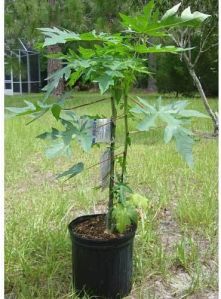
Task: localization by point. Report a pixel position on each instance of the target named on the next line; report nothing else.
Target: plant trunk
(198, 84)
(126, 141)
(112, 162)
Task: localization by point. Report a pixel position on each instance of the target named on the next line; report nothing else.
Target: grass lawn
(175, 250)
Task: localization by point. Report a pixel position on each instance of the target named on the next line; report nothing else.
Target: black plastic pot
(102, 268)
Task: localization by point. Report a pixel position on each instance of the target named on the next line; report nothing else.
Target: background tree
(203, 40)
(104, 15)
(170, 72)
(54, 64)
(172, 75)
(152, 61)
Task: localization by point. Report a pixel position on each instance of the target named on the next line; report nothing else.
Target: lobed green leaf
(72, 171)
(176, 117)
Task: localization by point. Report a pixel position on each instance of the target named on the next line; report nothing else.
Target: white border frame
(2, 152)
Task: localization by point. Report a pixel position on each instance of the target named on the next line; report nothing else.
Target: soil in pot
(95, 228)
(102, 261)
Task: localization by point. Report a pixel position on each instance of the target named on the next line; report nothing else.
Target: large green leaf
(72, 171)
(28, 109)
(104, 82)
(80, 129)
(176, 117)
(58, 149)
(56, 36)
(34, 110)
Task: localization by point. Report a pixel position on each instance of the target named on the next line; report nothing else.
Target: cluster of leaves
(110, 62)
(149, 23)
(115, 58)
(126, 212)
(76, 127)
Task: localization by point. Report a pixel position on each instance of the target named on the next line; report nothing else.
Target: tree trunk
(54, 64)
(198, 84)
(152, 82)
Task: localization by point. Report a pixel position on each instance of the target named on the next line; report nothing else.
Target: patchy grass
(175, 252)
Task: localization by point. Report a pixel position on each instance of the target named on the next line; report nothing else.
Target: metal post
(20, 81)
(39, 71)
(12, 85)
(28, 70)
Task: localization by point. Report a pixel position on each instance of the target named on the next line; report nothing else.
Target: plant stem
(112, 150)
(126, 141)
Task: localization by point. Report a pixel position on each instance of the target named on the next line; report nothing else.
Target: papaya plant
(113, 61)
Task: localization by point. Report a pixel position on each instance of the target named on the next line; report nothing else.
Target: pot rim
(81, 239)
